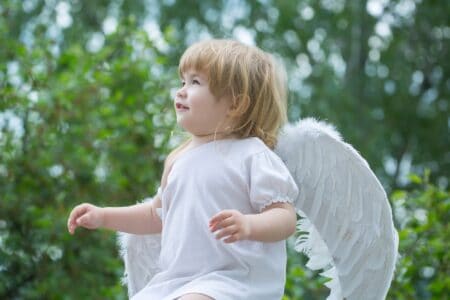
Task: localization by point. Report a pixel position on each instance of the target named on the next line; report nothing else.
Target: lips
(180, 106)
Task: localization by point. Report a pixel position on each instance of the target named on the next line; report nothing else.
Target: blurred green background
(86, 115)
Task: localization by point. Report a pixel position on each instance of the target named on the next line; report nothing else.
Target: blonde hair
(250, 78)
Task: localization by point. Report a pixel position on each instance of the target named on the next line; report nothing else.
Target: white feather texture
(346, 226)
(140, 254)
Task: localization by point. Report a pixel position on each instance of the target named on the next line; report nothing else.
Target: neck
(198, 139)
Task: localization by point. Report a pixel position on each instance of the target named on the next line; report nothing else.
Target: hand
(232, 224)
(85, 215)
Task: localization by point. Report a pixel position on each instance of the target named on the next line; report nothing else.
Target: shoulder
(253, 151)
(170, 160)
(251, 146)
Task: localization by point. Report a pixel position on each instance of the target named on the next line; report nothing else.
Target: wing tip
(317, 126)
(292, 135)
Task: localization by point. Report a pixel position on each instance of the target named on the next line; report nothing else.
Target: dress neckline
(195, 149)
(205, 145)
(209, 144)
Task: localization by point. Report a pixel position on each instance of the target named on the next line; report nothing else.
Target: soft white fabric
(240, 174)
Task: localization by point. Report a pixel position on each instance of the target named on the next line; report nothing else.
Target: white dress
(242, 174)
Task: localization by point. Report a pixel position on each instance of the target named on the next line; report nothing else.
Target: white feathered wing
(345, 212)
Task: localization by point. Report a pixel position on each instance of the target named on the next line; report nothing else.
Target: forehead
(199, 58)
(193, 73)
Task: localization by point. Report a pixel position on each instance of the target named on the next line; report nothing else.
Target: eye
(183, 83)
(195, 81)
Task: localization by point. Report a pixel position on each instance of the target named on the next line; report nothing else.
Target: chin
(184, 125)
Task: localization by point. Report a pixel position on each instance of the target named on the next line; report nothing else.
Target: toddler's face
(198, 110)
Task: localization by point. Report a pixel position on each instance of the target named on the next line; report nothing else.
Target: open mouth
(181, 106)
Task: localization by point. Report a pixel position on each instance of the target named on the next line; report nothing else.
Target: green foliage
(97, 131)
(424, 264)
(302, 283)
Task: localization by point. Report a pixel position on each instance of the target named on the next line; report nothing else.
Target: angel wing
(347, 226)
(140, 254)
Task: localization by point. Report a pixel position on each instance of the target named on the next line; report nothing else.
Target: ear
(232, 104)
(232, 110)
(239, 105)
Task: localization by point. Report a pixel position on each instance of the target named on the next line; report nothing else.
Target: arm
(275, 223)
(138, 219)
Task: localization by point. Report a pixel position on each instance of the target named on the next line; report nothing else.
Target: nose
(181, 92)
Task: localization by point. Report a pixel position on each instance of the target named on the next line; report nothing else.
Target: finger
(216, 221)
(71, 222)
(227, 232)
(223, 224)
(231, 239)
(219, 217)
(71, 228)
(77, 212)
(84, 220)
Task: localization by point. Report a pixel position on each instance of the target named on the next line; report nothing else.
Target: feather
(346, 225)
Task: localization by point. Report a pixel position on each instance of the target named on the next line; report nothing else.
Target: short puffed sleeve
(269, 180)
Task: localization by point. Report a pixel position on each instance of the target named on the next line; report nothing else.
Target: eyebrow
(192, 75)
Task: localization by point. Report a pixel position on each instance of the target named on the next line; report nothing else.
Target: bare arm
(137, 219)
(277, 222)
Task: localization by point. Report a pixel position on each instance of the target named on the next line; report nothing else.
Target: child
(225, 197)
